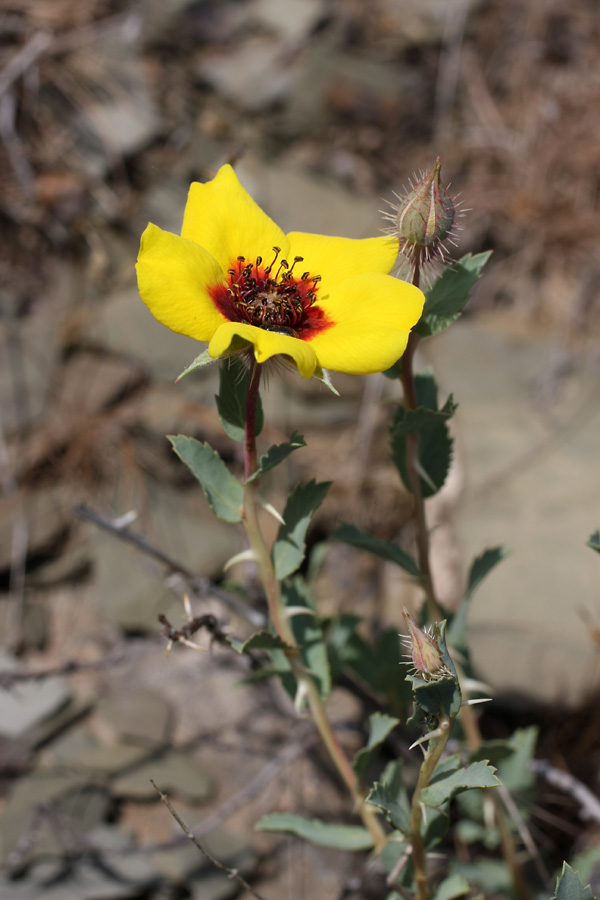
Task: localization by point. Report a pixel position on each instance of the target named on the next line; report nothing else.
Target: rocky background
(107, 111)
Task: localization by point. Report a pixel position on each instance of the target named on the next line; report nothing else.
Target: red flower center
(273, 300)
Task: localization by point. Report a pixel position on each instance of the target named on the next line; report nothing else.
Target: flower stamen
(279, 302)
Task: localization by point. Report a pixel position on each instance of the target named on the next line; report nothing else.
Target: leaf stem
(435, 749)
(277, 612)
(434, 611)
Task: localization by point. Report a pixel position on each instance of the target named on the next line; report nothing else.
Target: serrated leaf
(594, 541)
(450, 888)
(435, 442)
(380, 726)
(569, 886)
(482, 565)
(514, 770)
(422, 418)
(448, 295)
(323, 834)
(393, 803)
(223, 492)
(231, 399)
(434, 825)
(260, 640)
(276, 454)
(349, 534)
(289, 546)
(476, 775)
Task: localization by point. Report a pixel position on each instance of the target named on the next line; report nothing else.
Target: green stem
(434, 611)
(434, 751)
(277, 612)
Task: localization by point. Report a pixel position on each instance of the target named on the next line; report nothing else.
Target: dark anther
(241, 259)
(305, 276)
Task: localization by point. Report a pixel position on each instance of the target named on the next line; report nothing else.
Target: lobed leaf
(482, 565)
(445, 300)
(435, 442)
(475, 775)
(223, 492)
(323, 834)
(569, 886)
(594, 541)
(260, 640)
(380, 725)
(350, 534)
(289, 546)
(450, 888)
(276, 454)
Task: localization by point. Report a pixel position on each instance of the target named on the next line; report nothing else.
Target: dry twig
(231, 873)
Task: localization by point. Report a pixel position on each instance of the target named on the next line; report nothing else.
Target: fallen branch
(231, 873)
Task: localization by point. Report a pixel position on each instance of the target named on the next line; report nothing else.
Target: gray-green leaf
(223, 492)
(380, 726)
(569, 886)
(324, 834)
(594, 541)
(261, 640)
(289, 547)
(276, 454)
(476, 775)
(350, 534)
(446, 298)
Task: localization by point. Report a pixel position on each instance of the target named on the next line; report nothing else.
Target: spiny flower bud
(423, 218)
(424, 650)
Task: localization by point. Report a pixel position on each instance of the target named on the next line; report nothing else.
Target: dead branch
(231, 873)
(200, 586)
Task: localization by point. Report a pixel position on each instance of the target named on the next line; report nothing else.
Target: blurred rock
(119, 116)
(130, 586)
(186, 862)
(139, 716)
(266, 79)
(298, 201)
(30, 348)
(292, 20)
(82, 804)
(174, 772)
(532, 485)
(28, 703)
(79, 751)
(44, 516)
(124, 326)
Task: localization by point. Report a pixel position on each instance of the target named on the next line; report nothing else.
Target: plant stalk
(277, 612)
(435, 749)
(434, 611)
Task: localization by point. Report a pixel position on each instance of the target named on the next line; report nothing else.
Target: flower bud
(424, 651)
(424, 217)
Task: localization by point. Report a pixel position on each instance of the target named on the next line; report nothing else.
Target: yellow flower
(234, 280)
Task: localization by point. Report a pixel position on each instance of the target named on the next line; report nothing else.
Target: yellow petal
(173, 275)
(224, 219)
(338, 259)
(266, 344)
(372, 316)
